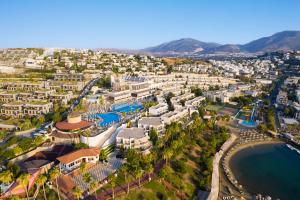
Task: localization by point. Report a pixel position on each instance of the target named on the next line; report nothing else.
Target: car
(37, 134)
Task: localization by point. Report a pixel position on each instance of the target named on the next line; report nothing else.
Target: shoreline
(235, 149)
(227, 171)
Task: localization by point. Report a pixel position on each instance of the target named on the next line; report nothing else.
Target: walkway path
(214, 193)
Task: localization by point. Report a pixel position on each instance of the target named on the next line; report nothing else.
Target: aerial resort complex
(117, 133)
(89, 112)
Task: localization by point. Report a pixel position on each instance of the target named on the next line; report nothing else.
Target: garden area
(188, 153)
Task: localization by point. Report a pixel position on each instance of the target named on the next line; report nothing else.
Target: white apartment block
(134, 138)
(175, 115)
(147, 123)
(158, 110)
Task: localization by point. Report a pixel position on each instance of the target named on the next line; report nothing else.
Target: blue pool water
(127, 108)
(108, 118)
(250, 124)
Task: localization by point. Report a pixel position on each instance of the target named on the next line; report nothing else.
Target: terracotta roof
(65, 126)
(78, 154)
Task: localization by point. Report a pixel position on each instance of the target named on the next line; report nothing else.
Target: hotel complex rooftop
(78, 154)
(133, 132)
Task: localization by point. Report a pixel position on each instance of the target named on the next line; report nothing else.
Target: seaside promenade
(214, 193)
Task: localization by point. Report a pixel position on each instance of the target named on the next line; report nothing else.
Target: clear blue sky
(141, 23)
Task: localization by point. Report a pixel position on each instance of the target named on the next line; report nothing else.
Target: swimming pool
(249, 124)
(246, 117)
(127, 108)
(108, 118)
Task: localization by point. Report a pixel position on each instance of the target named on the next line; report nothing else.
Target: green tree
(124, 170)
(83, 167)
(17, 150)
(54, 174)
(23, 180)
(6, 177)
(112, 179)
(149, 169)
(93, 187)
(14, 197)
(56, 117)
(41, 180)
(153, 136)
(138, 174)
(77, 192)
(167, 154)
(103, 156)
(87, 177)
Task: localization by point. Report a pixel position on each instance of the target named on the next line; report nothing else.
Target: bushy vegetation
(243, 100)
(271, 124)
(189, 152)
(197, 91)
(104, 82)
(15, 146)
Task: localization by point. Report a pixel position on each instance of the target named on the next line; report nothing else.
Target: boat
(293, 148)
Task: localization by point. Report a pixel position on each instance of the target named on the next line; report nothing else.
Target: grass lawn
(152, 190)
(216, 108)
(222, 109)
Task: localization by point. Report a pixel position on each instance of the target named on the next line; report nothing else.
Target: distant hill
(185, 45)
(286, 40)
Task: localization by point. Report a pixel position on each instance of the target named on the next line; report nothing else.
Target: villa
(68, 86)
(158, 110)
(151, 122)
(64, 76)
(72, 160)
(7, 97)
(61, 98)
(37, 108)
(175, 115)
(141, 94)
(135, 138)
(118, 97)
(194, 102)
(19, 109)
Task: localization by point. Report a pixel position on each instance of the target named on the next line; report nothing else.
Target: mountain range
(286, 40)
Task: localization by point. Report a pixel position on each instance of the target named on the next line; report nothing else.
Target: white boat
(293, 148)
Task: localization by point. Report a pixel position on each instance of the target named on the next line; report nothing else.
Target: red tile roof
(65, 126)
(70, 157)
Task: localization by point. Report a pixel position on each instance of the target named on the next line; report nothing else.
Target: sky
(135, 24)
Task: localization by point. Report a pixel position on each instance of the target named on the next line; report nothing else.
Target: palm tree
(54, 174)
(77, 192)
(83, 167)
(6, 177)
(149, 169)
(14, 197)
(93, 187)
(41, 180)
(124, 170)
(23, 180)
(112, 179)
(167, 154)
(87, 177)
(103, 155)
(138, 175)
